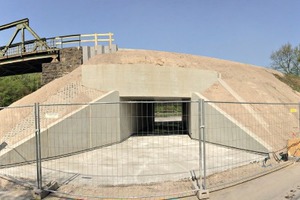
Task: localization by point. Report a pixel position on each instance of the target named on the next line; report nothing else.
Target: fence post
(203, 138)
(80, 40)
(96, 40)
(204, 141)
(200, 139)
(203, 193)
(110, 40)
(38, 145)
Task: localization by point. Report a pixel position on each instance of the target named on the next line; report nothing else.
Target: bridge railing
(55, 43)
(78, 39)
(30, 46)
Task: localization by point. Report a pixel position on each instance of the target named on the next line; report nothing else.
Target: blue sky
(239, 30)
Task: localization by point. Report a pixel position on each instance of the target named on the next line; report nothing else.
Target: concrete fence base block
(203, 194)
(42, 193)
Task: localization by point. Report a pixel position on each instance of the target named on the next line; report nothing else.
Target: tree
(13, 88)
(297, 59)
(287, 59)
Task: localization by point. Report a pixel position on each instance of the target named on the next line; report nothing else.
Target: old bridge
(30, 56)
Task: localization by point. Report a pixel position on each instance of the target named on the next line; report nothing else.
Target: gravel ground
(279, 185)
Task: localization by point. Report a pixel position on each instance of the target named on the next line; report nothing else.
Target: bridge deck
(30, 62)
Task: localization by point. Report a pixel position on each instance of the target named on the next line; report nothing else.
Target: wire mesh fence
(17, 126)
(254, 136)
(144, 149)
(120, 150)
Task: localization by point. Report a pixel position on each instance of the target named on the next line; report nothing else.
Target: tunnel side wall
(236, 136)
(91, 126)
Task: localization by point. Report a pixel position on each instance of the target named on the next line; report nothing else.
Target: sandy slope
(243, 78)
(17, 121)
(238, 82)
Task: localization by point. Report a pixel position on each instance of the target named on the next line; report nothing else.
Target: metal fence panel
(246, 139)
(144, 149)
(18, 162)
(118, 150)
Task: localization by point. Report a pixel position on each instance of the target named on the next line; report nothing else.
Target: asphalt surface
(280, 185)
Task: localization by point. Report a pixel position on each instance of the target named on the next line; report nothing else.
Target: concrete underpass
(112, 118)
(160, 116)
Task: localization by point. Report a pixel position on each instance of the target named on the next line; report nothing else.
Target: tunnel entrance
(168, 118)
(162, 118)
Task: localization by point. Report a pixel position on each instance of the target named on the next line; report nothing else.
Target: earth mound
(237, 83)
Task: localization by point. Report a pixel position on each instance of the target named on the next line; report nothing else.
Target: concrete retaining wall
(216, 120)
(88, 52)
(99, 124)
(69, 59)
(147, 80)
(104, 122)
(91, 126)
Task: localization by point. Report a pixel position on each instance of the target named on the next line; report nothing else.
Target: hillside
(237, 83)
(244, 79)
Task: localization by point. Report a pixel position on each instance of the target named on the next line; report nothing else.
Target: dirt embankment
(17, 122)
(244, 79)
(238, 82)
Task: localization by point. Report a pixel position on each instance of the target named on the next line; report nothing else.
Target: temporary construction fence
(144, 149)
(261, 129)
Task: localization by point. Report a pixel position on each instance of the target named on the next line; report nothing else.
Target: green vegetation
(167, 109)
(13, 88)
(290, 79)
(286, 59)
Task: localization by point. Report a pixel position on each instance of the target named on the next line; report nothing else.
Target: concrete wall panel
(128, 119)
(105, 121)
(147, 80)
(67, 136)
(79, 130)
(194, 125)
(216, 121)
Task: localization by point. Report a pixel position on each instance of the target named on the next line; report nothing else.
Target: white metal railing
(95, 38)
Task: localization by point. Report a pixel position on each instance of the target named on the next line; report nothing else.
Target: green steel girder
(13, 24)
(21, 25)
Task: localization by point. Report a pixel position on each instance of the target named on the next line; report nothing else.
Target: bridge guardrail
(55, 43)
(95, 38)
(18, 49)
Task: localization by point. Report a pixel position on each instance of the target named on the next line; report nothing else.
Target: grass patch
(168, 109)
(291, 80)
